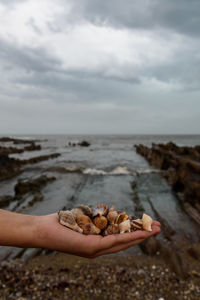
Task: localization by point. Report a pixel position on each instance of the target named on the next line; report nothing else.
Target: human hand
(52, 235)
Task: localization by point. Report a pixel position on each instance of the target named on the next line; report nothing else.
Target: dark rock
(150, 246)
(37, 159)
(181, 166)
(5, 200)
(9, 167)
(194, 252)
(16, 141)
(32, 147)
(25, 186)
(37, 197)
(10, 150)
(84, 144)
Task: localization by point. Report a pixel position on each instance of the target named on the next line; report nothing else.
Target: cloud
(179, 16)
(112, 62)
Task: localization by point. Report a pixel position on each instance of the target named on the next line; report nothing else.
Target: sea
(101, 173)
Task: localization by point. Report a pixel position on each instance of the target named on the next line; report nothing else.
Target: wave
(116, 171)
(147, 171)
(119, 170)
(94, 172)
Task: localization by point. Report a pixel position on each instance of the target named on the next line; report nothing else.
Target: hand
(52, 235)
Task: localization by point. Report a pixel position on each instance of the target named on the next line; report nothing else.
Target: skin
(27, 231)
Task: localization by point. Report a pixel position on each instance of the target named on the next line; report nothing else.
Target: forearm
(18, 230)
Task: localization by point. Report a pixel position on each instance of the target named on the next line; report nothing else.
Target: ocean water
(102, 173)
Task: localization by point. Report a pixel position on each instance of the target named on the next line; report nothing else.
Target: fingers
(128, 240)
(114, 240)
(118, 248)
(156, 223)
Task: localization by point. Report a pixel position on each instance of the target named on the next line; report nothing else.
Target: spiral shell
(67, 219)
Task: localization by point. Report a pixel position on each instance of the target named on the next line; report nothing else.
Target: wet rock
(9, 167)
(181, 166)
(25, 186)
(37, 197)
(13, 150)
(5, 200)
(10, 150)
(32, 147)
(37, 159)
(84, 144)
(17, 141)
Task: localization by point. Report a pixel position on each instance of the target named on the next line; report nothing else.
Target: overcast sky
(94, 66)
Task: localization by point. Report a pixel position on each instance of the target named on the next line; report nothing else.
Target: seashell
(112, 229)
(136, 224)
(121, 218)
(87, 225)
(112, 208)
(100, 222)
(125, 226)
(111, 216)
(100, 210)
(67, 219)
(82, 210)
(146, 222)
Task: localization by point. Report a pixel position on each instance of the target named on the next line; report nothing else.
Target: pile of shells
(102, 220)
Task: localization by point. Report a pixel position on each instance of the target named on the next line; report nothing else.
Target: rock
(194, 252)
(84, 144)
(181, 166)
(150, 246)
(5, 200)
(16, 141)
(25, 186)
(9, 167)
(32, 147)
(10, 150)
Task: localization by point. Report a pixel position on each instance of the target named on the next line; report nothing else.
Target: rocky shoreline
(168, 267)
(181, 169)
(60, 276)
(11, 167)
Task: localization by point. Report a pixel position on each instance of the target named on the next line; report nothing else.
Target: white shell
(125, 226)
(146, 222)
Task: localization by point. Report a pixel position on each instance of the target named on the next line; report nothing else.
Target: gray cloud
(181, 15)
(101, 66)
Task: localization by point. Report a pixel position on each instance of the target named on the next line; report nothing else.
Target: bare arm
(45, 232)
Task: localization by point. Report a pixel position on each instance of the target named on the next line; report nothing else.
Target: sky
(97, 67)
